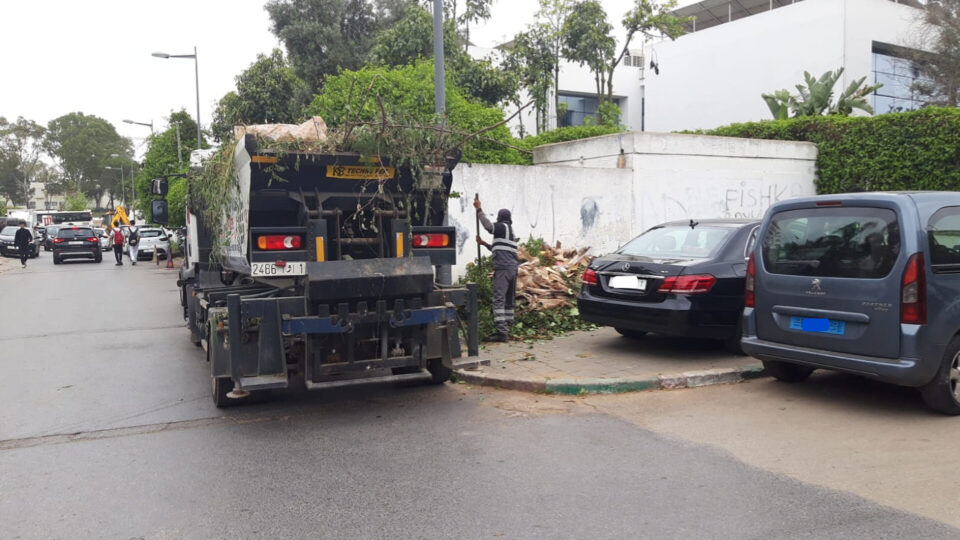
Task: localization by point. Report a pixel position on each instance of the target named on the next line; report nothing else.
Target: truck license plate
(272, 270)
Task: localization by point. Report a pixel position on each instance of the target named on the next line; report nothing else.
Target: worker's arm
(484, 244)
(484, 221)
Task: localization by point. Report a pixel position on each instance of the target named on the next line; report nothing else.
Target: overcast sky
(94, 56)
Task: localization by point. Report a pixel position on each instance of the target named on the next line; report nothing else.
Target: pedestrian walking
(504, 250)
(23, 240)
(117, 237)
(133, 242)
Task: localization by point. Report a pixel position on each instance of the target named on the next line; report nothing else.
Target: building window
(578, 109)
(899, 77)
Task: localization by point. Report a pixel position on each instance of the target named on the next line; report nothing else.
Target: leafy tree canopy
(267, 92)
(940, 63)
(82, 145)
(815, 98)
(323, 36)
(162, 158)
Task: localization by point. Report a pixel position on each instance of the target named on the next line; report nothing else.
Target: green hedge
(917, 150)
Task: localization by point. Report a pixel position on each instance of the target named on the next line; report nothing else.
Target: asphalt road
(107, 431)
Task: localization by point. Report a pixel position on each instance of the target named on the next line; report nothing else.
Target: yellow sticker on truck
(360, 172)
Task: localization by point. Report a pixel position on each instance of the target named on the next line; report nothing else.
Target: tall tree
(82, 145)
(323, 36)
(23, 141)
(532, 61)
(939, 62)
(551, 21)
(587, 38)
(411, 40)
(164, 157)
(267, 92)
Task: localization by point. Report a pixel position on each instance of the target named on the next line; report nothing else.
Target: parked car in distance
(76, 243)
(683, 278)
(49, 234)
(153, 239)
(104, 238)
(865, 283)
(7, 247)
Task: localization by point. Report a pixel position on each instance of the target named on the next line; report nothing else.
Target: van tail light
(693, 284)
(749, 300)
(431, 240)
(279, 242)
(589, 277)
(913, 292)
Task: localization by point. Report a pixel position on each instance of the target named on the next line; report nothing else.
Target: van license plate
(272, 270)
(627, 282)
(823, 326)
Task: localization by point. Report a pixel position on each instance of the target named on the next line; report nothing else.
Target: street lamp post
(196, 74)
(148, 124)
(123, 193)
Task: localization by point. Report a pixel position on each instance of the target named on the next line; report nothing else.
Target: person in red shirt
(118, 245)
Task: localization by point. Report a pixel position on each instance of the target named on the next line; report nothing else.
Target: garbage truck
(322, 269)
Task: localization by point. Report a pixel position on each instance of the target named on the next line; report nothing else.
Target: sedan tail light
(589, 277)
(58, 240)
(693, 284)
(749, 298)
(93, 239)
(913, 292)
(279, 242)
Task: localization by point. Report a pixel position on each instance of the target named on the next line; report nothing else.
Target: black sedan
(76, 243)
(682, 278)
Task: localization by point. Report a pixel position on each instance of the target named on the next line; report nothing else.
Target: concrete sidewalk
(602, 361)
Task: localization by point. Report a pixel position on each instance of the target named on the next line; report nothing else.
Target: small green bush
(916, 150)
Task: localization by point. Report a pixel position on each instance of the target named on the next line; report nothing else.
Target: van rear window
(845, 242)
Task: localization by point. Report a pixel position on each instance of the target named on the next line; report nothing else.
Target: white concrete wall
(577, 206)
(578, 195)
(715, 76)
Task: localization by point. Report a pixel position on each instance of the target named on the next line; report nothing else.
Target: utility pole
(444, 273)
(179, 147)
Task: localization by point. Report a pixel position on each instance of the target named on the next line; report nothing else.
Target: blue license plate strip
(822, 326)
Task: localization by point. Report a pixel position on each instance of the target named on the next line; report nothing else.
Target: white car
(153, 239)
(104, 238)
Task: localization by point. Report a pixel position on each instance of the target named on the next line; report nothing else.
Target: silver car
(864, 283)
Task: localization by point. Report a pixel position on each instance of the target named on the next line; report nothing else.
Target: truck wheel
(942, 394)
(439, 373)
(786, 372)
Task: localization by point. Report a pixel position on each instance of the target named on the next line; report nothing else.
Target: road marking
(100, 434)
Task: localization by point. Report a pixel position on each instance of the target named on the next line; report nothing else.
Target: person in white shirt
(133, 241)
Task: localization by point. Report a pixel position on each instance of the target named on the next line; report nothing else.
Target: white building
(736, 50)
(42, 199)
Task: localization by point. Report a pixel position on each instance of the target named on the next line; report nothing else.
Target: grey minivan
(865, 283)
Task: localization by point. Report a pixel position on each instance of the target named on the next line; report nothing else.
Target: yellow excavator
(117, 218)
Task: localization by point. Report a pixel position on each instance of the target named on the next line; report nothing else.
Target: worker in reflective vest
(504, 249)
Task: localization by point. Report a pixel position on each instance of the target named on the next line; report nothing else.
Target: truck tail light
(694, 284)
(431, 240)
(279, 242)
(589, 277)
(913, 292)
(749, 300)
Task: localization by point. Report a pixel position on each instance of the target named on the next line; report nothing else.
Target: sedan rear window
(149, 234)
(677, 242)
(832, 242)
(75, 233)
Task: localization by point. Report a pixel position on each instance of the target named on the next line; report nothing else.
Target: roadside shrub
(916, 150)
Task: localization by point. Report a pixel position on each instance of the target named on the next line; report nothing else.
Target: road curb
(614, 385)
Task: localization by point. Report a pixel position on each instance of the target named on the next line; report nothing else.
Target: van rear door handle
(822, 313)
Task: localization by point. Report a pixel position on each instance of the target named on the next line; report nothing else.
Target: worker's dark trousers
(24, 254)
(504, 293)
(118, 253)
